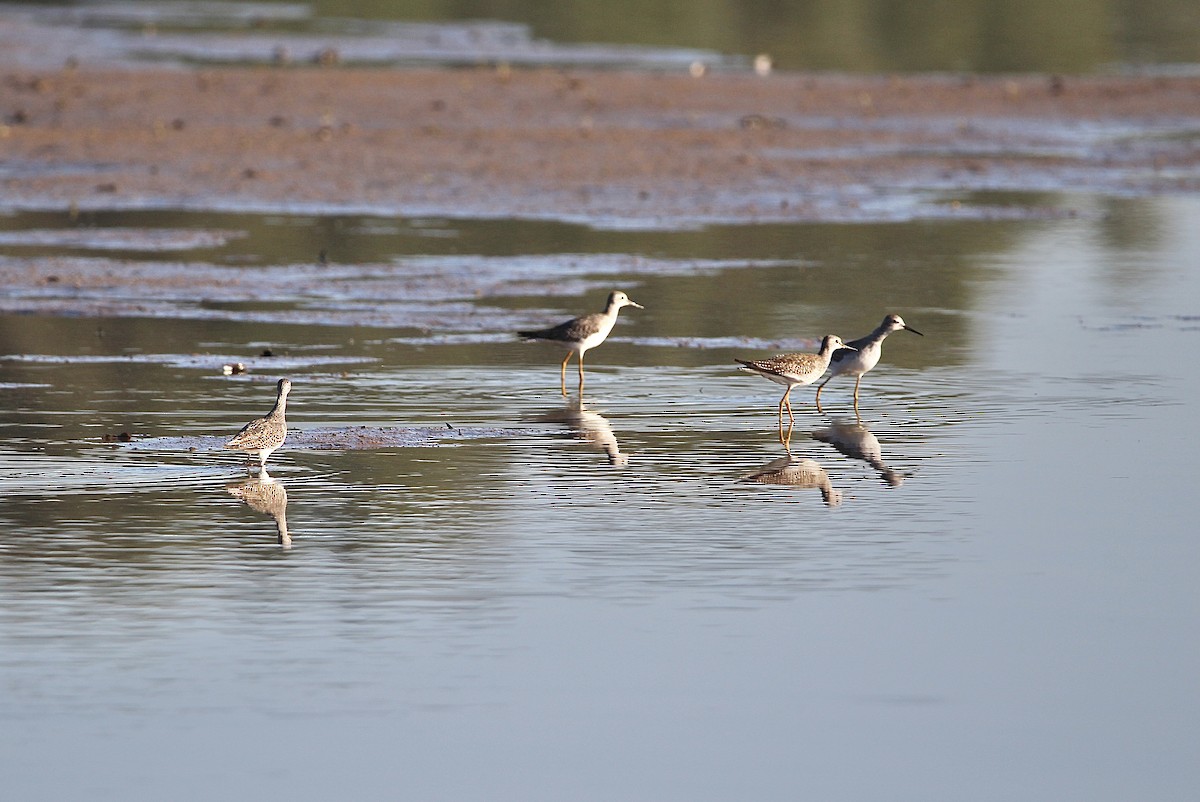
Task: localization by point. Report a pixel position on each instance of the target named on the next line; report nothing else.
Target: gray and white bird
(794, 370)
(863, 354)
(265, 435)
(581, 334)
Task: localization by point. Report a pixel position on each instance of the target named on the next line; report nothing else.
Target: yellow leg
(819, 389)
(563, 373)
(856, 381)
(787, 402)
(786, 439)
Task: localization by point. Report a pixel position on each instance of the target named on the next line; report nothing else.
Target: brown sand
(617, 147)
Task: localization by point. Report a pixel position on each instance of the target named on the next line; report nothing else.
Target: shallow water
(873, 36)
(481, 591)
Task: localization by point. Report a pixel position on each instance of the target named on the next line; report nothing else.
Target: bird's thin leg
(563, 374)
(819, 389)
(581, 374)
(856, 381)
(788, 402)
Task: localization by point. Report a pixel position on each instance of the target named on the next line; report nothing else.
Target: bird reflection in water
(856, 441)
(793, 471)
(266, 495)
(594, 429)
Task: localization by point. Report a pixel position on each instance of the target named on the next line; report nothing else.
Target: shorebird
(582, 333)
(264, 435)
(794, 370)
(863, 355)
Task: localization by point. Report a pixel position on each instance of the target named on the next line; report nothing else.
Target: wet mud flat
(444, 299)
(610, 148)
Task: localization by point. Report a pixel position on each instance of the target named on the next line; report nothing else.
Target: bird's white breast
(857, 362)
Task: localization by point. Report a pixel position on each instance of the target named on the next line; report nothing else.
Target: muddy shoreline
(607, 148)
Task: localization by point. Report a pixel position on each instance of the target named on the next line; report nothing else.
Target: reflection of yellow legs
(786, 439)
(785, 403)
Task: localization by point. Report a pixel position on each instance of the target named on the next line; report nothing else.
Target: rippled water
(460, 586)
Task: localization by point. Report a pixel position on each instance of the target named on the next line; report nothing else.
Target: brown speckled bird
(265, 435)
(794, 370)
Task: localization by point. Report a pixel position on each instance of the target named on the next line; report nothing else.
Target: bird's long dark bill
(914, 331)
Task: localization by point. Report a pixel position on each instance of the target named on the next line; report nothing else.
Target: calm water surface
(1076, 36)
(983, 590)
